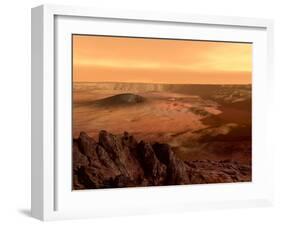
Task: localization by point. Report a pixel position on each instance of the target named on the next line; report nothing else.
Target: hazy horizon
(160, 61)
(159, 83)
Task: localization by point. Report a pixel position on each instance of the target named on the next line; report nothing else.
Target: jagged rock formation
(122, 161)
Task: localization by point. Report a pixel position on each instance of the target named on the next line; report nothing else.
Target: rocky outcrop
(121, 161)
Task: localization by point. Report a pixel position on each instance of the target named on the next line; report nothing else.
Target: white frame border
(43, 96)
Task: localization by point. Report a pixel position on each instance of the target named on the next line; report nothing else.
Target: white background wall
(15, 112)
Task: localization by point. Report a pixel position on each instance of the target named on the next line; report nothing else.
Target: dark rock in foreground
(121, 161)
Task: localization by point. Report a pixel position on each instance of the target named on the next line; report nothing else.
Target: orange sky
(116, 59)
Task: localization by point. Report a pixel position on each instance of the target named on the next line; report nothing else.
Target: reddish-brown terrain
(122, 161)
(177, 134)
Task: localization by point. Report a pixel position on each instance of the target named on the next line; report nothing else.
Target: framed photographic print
(137, 112)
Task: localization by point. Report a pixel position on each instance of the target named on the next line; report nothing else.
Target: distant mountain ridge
(153, 86)
(224, 93)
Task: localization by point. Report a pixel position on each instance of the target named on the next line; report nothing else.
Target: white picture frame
(52, 197)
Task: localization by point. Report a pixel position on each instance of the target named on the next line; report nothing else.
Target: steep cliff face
(122, 161)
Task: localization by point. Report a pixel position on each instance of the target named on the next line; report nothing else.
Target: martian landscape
(159, 112)
(198, 122)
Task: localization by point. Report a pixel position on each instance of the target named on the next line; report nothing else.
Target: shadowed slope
(121, 99)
